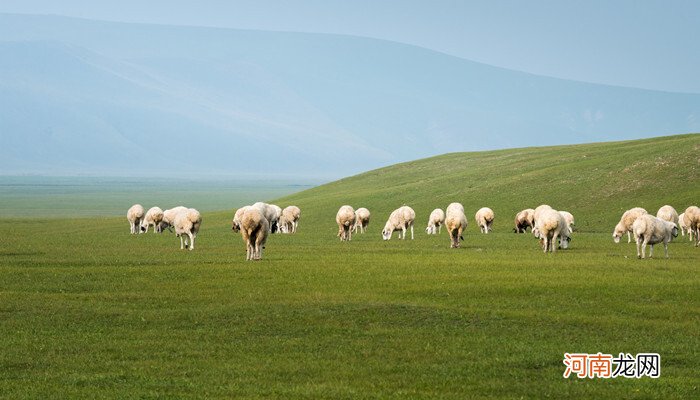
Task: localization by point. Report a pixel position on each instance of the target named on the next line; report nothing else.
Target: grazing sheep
(484, 219)
(169, 218)
(685, 227)
(361, 220)
(435, 221)
(692, 218)
(254, 229)
(135, 215)
(456, 223)
(668, 213)
(402, 218)
(274, 227)
(651, 230)
(187, 223)
(236, 223)
(289, 220)
(270, 214)
(153, 217)
(345, 218)
(549, 226)
(523, 220)
(569, 218)
(625, 224)
(538, 210)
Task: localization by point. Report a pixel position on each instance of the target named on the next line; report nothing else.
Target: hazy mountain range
(81, 96)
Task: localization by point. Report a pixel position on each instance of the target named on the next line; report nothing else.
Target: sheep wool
(135, 215)
(345, 218)
(650, 230)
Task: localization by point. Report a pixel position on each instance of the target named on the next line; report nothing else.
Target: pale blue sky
(648, 44)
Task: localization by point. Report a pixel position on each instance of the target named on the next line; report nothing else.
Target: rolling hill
(89, 310)
(596, 182)
(82, 96)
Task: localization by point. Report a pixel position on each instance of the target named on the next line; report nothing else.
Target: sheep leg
(191, 240)
(181, 243)
(411, 231)
(638, 248)
(349, 234)
(644, 248)
(666, 249)
(629, 237)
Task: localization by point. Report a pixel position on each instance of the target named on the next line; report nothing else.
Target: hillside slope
(117, 98)
(596, 182)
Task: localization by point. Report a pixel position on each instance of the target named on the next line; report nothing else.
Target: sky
(646, 44)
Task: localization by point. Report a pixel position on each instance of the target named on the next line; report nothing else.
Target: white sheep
(254, 229)
(455, 223)
(169, 218)
(187, 224)
(625, 224)
(538, 210)
(135, 215)
(400, 219)
(685, 227)
(523, 220)
(345, 218)
(274, 228)
(569, 218)
(668, 213)
(269, 212)
(692, 218)
(236, 223)
(650, 230)
(484, 219)
(549, 226)
(153, 217)
(289, 220)
(435, 222)
(362, 216)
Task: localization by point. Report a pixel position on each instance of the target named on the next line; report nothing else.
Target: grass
(88, 311)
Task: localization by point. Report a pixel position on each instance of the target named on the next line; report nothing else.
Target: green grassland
(89, 311)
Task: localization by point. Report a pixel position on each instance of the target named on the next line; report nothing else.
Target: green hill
(89, 311)
(596, 182)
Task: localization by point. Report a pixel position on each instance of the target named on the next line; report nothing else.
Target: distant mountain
(81, 96)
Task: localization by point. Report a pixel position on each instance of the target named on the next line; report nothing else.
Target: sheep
(625, 224)
(361, 220)
(254, 229)
(683, 224)
(692, 218)
(436, 220)
(402, 218)
(274, 227)
(236, 223)
(651, 230)
(569, 218)
(169, 218)
(538, 210)
(187, 222)
(270, 214)
(668, 213)
(456, 223)
(549, 226)
(289, 219)
(484, 219)
(135, 215)
(153, 217)
(345, 218)
(523, 220)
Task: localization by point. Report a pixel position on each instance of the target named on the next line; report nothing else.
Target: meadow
(89, 311)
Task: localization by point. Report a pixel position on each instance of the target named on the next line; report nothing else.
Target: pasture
(89, 311)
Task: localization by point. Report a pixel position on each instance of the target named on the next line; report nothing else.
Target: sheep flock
(552, 228)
